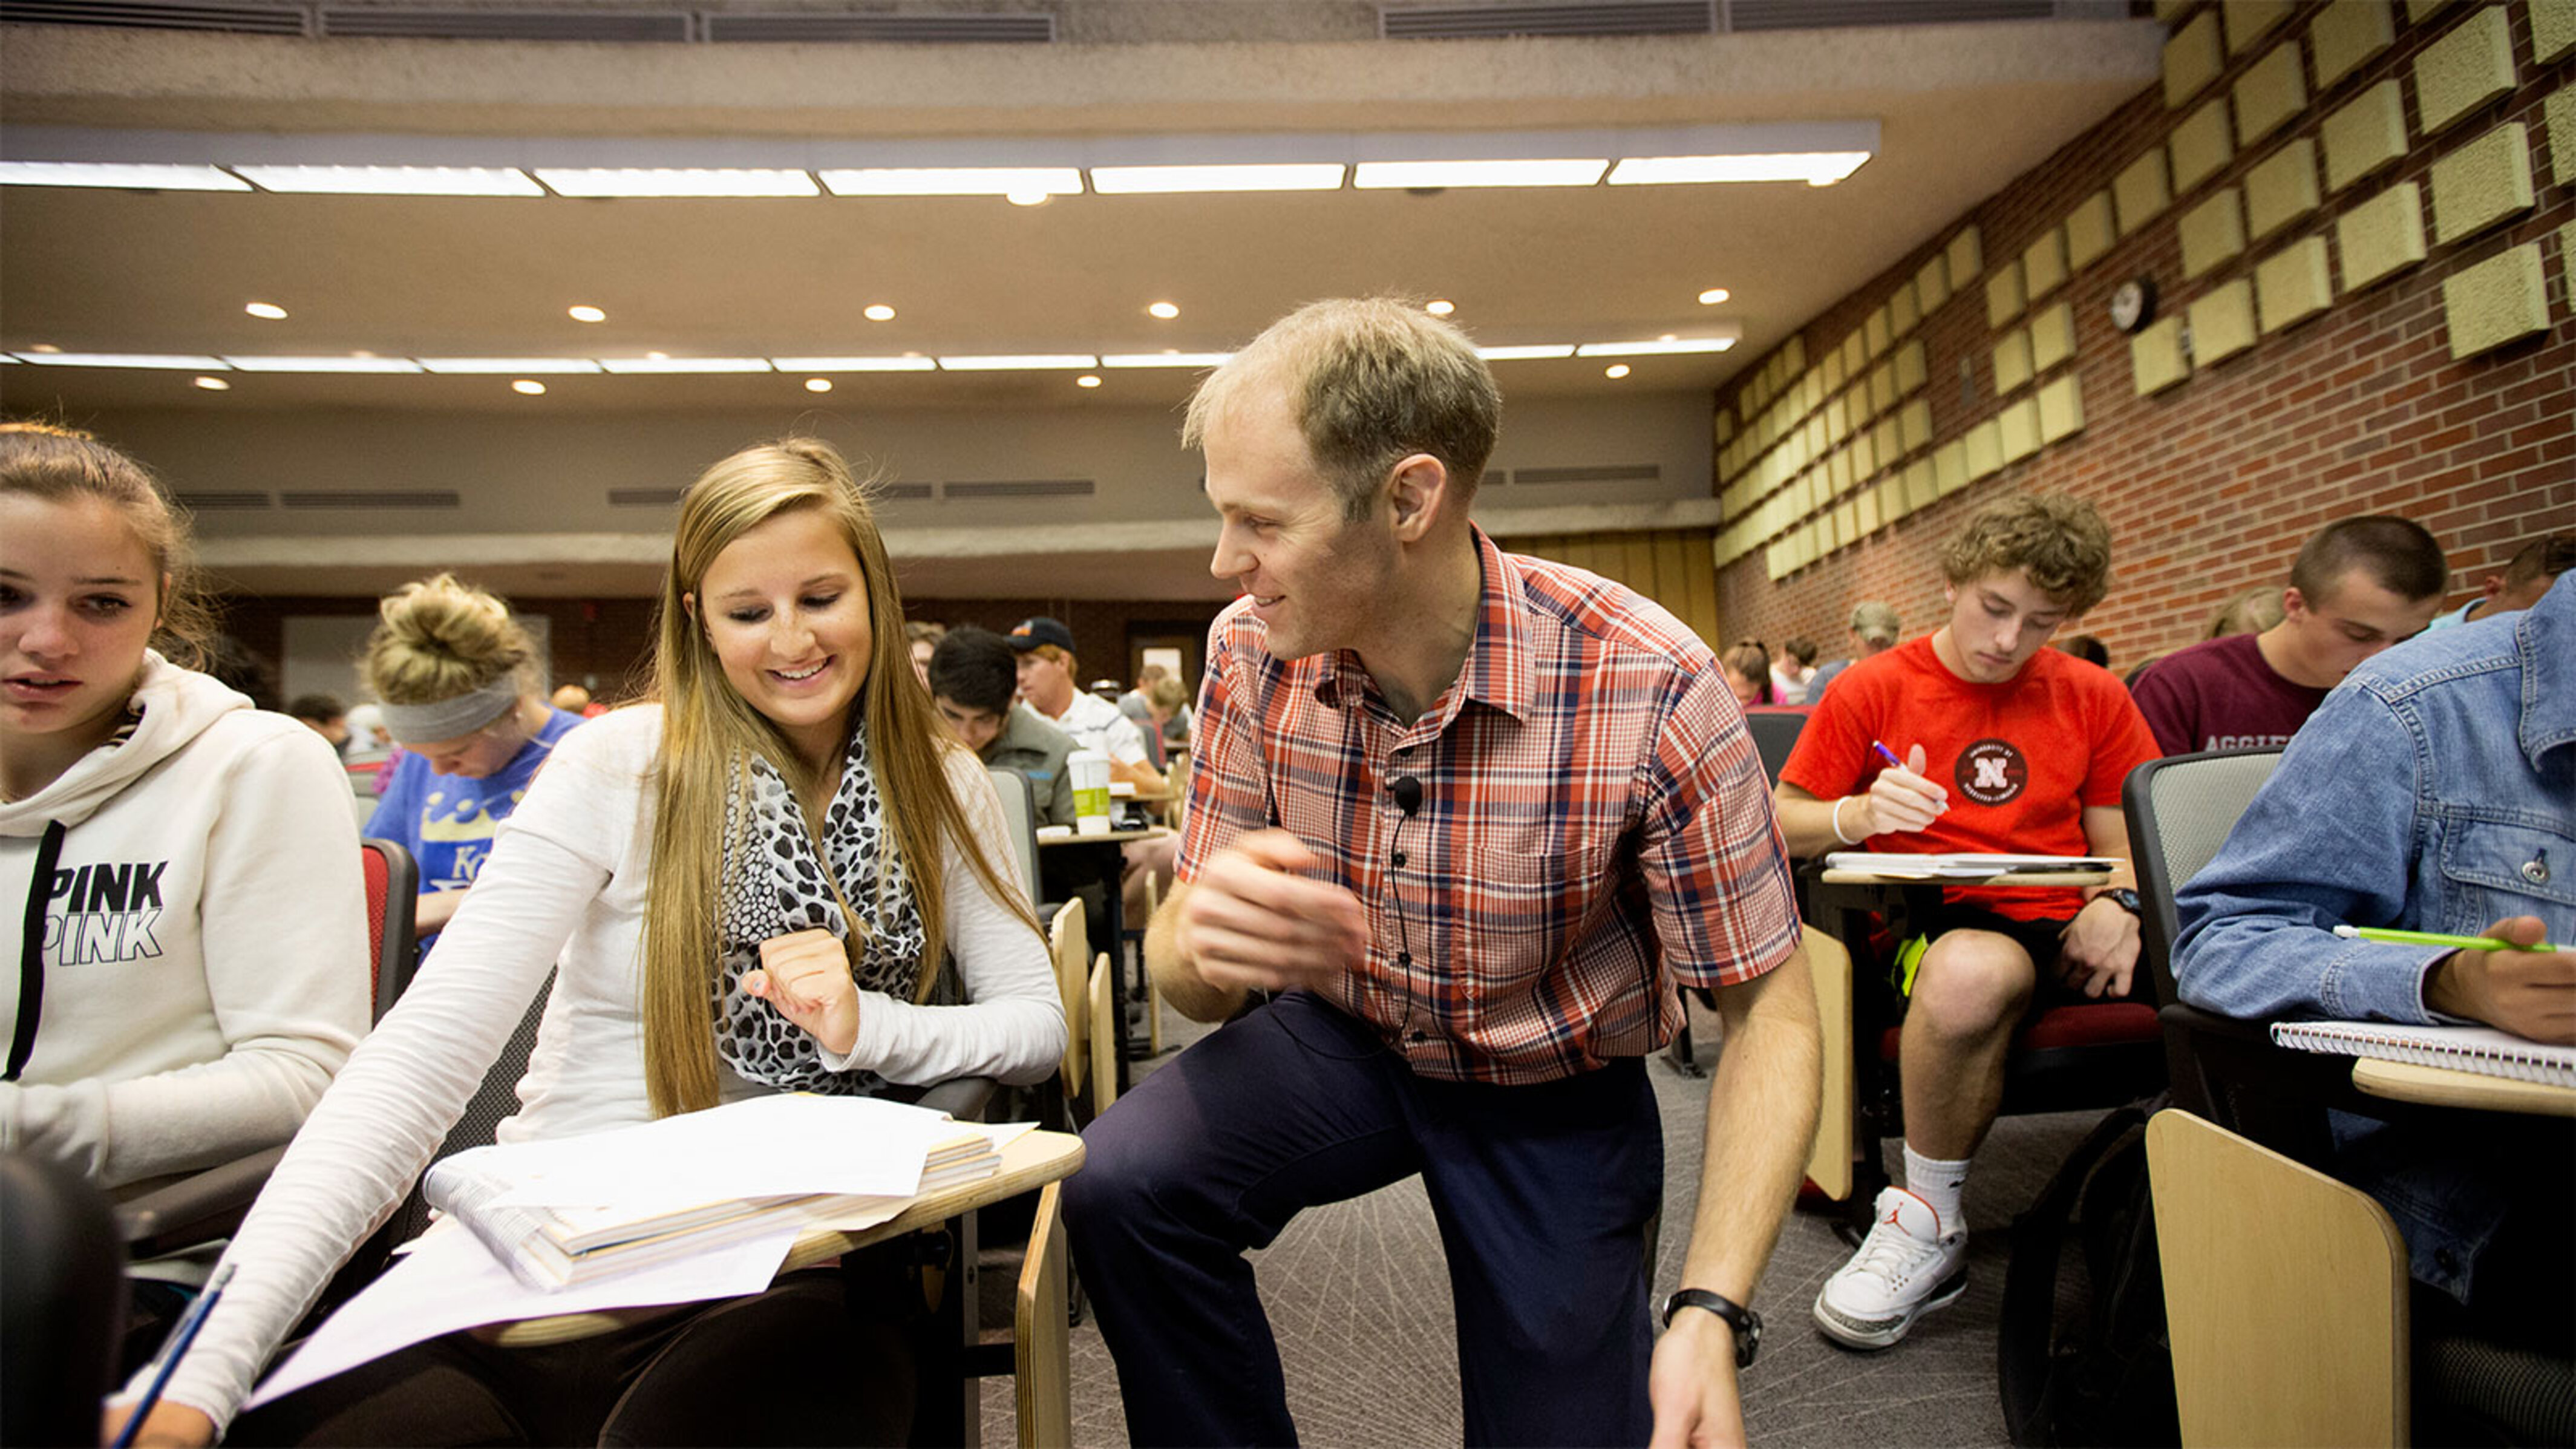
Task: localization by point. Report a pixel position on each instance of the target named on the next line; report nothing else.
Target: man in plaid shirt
(1470, 818)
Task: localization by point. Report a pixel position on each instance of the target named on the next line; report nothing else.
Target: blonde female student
(747, 881)
(178, 871)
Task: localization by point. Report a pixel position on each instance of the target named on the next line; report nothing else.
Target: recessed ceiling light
(393, 180)
(877, 312)
(1165, 310)
(1028, 198)
(1441, 307)
(269, 310)
(44, 347)
(214, 384)
(1420, 175)
(1713, 296)
(139, 177)
(584, 312)
(1822, 168)
(1256, 176)
(528, 387)
(1616, 369)
(818, 384)
(1088, 379)
(1014, 182)
(657, 356)
(677, 181)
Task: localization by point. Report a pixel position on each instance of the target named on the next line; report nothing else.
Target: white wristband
(1838, 821)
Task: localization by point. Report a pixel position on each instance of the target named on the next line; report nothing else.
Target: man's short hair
(2543, 558)
(916, 630)
(1373, 381)
(1876, 622)
(974, 669)
(322, 708)
(2401, 556)
(2059, 541)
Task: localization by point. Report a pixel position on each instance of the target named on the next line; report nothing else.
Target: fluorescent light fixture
(954, 181)
(1020, 362)
(1524, 354)
(1816, 168)
(676, 181)
(323, 364)
(853, 364)
(1255, 176)
(1165, 359)
(482, 365)
(1411, 175)
(128, 175)
(392, 180)
(1660, 347)
(684, 364)
(193, 362)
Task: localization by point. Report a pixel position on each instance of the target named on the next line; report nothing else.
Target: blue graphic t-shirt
(447, 821)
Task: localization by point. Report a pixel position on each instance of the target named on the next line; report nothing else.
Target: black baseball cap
(1030, 633)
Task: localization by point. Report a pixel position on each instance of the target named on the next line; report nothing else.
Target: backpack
(2088, 1362)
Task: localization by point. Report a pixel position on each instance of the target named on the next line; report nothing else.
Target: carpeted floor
(1358, 1298)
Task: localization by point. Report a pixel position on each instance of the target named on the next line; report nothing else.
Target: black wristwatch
(1746, 1323)
(2123, 897)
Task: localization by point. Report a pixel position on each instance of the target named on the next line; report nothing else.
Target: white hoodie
(204, 951)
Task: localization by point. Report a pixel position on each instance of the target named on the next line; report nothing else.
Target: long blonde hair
(710, 734)
(441, 637)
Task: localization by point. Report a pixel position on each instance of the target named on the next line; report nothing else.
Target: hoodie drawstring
(31, 950)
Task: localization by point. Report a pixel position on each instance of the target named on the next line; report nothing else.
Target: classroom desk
(1115, 912)
(2450, 1087)
(1032, 1161)
(1839, 903)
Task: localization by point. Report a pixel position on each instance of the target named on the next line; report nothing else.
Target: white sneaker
(1905, 1268)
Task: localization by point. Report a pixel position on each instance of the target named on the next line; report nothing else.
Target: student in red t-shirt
(2358, 586)
(2009, 746)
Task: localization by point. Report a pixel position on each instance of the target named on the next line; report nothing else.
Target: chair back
(63, 1314)
(2179, 812)
(1020, 821)
(393, 894)
(1775, 733)
(1069, 940)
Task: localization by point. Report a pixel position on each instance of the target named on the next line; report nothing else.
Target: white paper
(450, 1281)
(782, 1145)
(1902, 866)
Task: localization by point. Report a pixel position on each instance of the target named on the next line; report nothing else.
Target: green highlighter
(2436, 938)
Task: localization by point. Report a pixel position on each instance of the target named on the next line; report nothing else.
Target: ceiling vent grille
(1744, 15)
(1491, 22)
(643, 497)
(805, 26)
(170, 15)
(220, 501)
(1024, 488)
(501, 23)
(345, 498)
(905, 492)
(1591, 473)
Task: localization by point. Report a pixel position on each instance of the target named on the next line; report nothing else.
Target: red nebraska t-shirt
(2220, 694)
(2022, 759)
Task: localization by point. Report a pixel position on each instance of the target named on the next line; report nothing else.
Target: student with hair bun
(200, 968)
(746, 884)
(457, 678)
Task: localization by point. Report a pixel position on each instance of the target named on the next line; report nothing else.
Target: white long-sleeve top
(570, 877)
(204, 945)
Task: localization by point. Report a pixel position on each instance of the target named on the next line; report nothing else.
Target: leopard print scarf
(775, 883)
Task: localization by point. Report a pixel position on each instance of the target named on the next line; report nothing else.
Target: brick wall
(2211, 486)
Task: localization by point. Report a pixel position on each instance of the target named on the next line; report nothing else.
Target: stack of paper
(1960, 866)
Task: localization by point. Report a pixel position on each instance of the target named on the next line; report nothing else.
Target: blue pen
(171, 1352)
(1887, 754)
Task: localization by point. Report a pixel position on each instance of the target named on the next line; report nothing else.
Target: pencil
(177, 1349)
(2436, 938)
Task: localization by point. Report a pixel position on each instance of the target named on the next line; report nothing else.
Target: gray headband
(445, 719)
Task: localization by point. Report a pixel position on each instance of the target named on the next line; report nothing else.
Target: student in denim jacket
(2435, 791)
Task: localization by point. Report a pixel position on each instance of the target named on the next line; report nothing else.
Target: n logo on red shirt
(1992, 772)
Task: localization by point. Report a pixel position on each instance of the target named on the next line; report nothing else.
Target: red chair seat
(2090, 1025)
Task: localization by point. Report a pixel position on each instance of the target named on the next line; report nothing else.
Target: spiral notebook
(2481, 1049)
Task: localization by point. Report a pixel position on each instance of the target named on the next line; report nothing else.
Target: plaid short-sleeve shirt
(1593, 829)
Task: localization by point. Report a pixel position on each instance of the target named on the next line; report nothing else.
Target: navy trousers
(1543, 1195)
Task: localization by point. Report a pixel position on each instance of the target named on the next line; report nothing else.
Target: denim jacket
(2434, 790)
